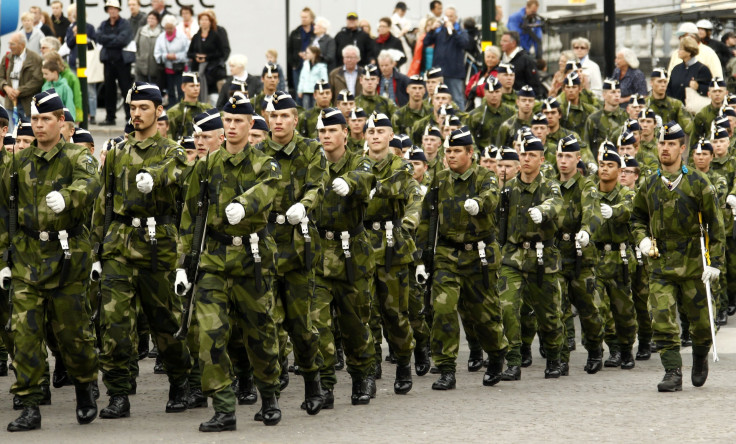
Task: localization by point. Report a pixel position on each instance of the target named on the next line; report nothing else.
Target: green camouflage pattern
(670, 109)
(507, 130)
(307, 125)
(181, 118)
(376, 103)
(702, 122)
(574, 116)
(600, 126)
(485, 121)
(404, 118)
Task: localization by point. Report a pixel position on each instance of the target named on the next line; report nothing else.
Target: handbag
(178, 66)
(95, 68)
(694, 102)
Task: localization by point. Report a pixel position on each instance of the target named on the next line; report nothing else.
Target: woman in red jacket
(491, 59)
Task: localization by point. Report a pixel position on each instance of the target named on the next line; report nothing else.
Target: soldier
(667, 108)
(323, 99)
(441, 104)
(463, 282)
(667, 225)
(703, 119)
(237, 265)
(582, 217)
(403, 119)
(270, 79)
(648, 123)
(303, 168)
(191, 149)
(370, 100)
(434, 78)
(356, 123)
(345, 102)
(531, 261)
(344, 273)
(507, 78)
(523, 117)
(552, 111)
(540, 129)
(393, 249)
(574, 111)
(47, 262)
(180, 115)
(488, 158)
(431, 144)
(259, 131)
(648, 162)
(138, 256)
(587, 96)
(602, 123)
(484, 121)
(616, 263)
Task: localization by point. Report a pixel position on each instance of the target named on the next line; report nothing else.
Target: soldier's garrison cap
(144, 91)
(461, 137)
(46, 102)
(329, 117)
(209, 120)
(81, 135)
(238, 104)
(280, 101)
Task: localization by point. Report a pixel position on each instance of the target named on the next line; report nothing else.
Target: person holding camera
(529, 26)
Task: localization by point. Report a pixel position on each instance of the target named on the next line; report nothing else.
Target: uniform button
(330, 235)
(237, 241)
(526, 245)
(136, 222)
(607, 247)
(280, 219)
(44, 236)
(566, 236)
(376, 225)
(468, 247)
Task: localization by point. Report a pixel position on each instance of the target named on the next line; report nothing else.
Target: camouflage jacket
(485, 121)
(509, 99)
(587, 97)
(72, 171)
(615, 231)
(308, 123)
(248, 177)
(726, 168)
(435, 166)
(599, 126)
(375, 103)
(543, 194)
(404, 118)
(507, 130)
(574, 116)
(356, 145)
(671, 218)
(181, 118)
(303, 171)
(702, 121)
(670, 109)
(166, 162)
(417, 131)
(581, 211)
(554, 138)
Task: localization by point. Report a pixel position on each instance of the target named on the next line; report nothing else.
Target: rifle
(109, 208)
(504, 213)
(705, 255)
(428, 253)
(12, 229)
(191, 262)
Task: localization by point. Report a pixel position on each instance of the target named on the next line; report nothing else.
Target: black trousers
(121, 73)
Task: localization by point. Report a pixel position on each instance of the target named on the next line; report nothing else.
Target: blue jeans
(173, 87)
(307, 101)
(92, 91)
(457, 89)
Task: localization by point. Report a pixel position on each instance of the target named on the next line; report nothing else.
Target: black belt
(612, 246)
(570, 237)
(280, 219)
(470, 246)
(45, 236)
(251, 240)
(378, 225)
(235, 241)
(332, 234)
(531, 245)
(337, 235)
(276, 218)
(141, 222)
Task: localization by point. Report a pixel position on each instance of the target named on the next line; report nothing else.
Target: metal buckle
(329, 235)
(151, 224)
(237, 241)
(539, 246)
(389, 233)
(136, 222)
(468, 247)
(280, 219)
(526, 245)
(44, 236)
(64, 240)
(565, 236)
(254, 247)
(376, 225)
(481, 252)
(607, 247)
(345, 242)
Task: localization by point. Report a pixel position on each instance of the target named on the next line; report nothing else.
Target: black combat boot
(196, 399)
(672, 381)
(421, 360)
(512, 373)
(731, 309)
(313, 397)
(494, 373)
(526, 355)
(700, 369)
(722, 318)
(86, 404)
(361, 392)
(143, 346)
(564, 368)
(154, 351)
(475, 360)
(644, 351)
(402, 383)
(595, 361)
(221, 422)
(379, 371)
(177, 397)
(158, 367)
(685, 340)
(329, 395)
(446, 382)
(119, 407)
(3, 368)
(284, 376)
(614, 359)
(627, 360)
(29, 419)
(339, 358)
(247, 394)
(46, 392)
(553, 369)
(60, 378)
(270, 413)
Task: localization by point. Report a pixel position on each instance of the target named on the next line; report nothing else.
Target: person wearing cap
(635, 104)
(629, 177)
(648, 123)
(415, 109)
(667, 225)
(139, 246)
(270, 79)
(393, 249)
(647, 160)
(487, 158)
(162, 124)
(52, 205)
(631, 125)
(551, 110)
(431, 145)
(574, 110)
(353, 35)
(507, 78)
(370, 100)
(433, 76)
(308, 120)
(181, 114)
(525, 106)
(114, 34)
(705, 32)
(577, 225)
(703, 119)
(507, 165)
(356, 124)
(343, 276)
(259, 131)
(690, 73)
(617, 260)
(667, 108)
(600, 124)
(540, 129)
(531, 263)
(706, 55)
(485, 120)
(303, 168)
(442, 109)
(466, 257)
(345, 102)
(191, 149)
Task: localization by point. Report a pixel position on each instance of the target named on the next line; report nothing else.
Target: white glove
(96, 272)
(472, 207)
(372, 193)
(606, 211)
(144, 182)
(296, 213)
(421, 274)
(181, 281)
(645, 245)
(340, 187)
(235, 212)
(536, 215)
(592, 168)
(731, 201)
(710, 274)
(583, 238)
(4, 275)
(55, 201)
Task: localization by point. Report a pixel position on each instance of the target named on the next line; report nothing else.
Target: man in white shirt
(581, 48)
(400, 27)
(706, 56)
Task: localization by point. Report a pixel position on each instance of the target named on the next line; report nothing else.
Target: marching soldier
(180, 115)
(442, 106)
(525, 106)
(647, 160)
(670, 212)
(370, 100)
(574, 111)
(135, 216)
(356, 124)
(507, 78)
(488, 158)
(484, 121)
(259, 131)
(648, 123)
(323, 99)
(162, 124)
(46, 259)
(601, 124)
(403, 119)
(345, 102)
(703, 119)
(552, 111)
(270, 79)
(431, 145)
(667, 108)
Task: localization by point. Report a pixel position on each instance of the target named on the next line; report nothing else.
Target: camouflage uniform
(485, 121)
(40, 288)
(518, 276)
(726, 168)
(509, 99)
(181, 117)
(403, 119)
(670, 109)
(356, 145)
(462, 284)
(507, 130)
(671, 218)
(599, 126)
(128, 259)
(574, 116)
(417, 131)
(375, 103)
(308, 123)
(227, 292)
(550, 152)
(303, 168)
(417, 319)
(702, 121)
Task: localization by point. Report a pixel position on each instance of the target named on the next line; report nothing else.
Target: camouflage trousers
(417, 320)
(729, 286)
(352, 312)
(223, 303)
(195, 374)
(581, 292)
(516, 287)
(664, 294)
(121, 285)
(640, 292)
(67, 310)
(294, 296)
(528, 324)
(617, 309)
(390, 290)
(6, 341)
(478, 306)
